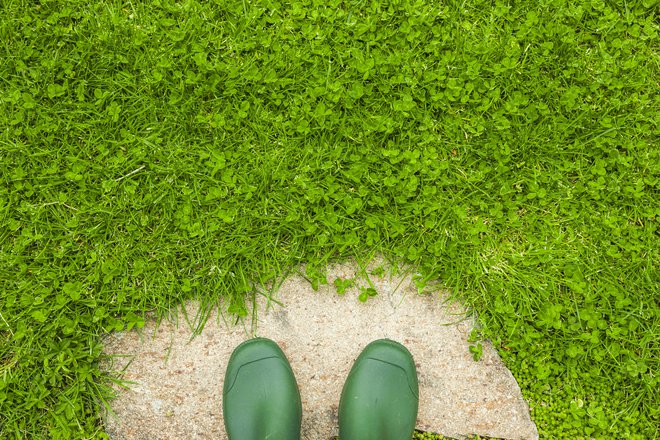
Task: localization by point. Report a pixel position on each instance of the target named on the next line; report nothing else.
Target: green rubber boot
(261, 399)
(381, 395)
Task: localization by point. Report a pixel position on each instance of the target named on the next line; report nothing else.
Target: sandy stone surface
(177, 389)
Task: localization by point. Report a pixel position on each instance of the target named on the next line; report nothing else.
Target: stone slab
(177, 390)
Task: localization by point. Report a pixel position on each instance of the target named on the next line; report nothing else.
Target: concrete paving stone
(177, 390)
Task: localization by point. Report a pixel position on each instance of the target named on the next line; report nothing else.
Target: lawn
(157, 151)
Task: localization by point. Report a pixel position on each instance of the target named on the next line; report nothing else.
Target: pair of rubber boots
(261, 399)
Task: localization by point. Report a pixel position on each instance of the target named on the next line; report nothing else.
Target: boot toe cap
(394, 353)
(251, 351)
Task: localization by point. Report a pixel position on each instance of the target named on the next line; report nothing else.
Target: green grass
(155, 153)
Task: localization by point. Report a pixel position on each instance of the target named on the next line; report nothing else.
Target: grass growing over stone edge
(154, 154)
